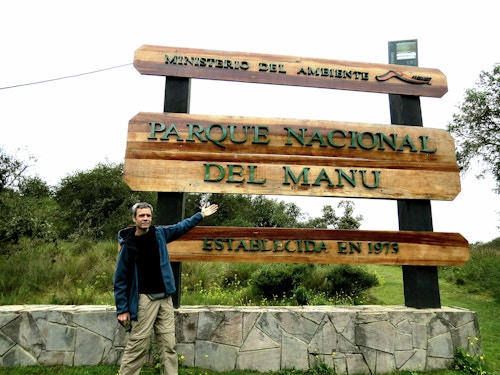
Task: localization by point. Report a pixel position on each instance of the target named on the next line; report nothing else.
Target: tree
(240, 210)
(34, 187)
(12, 170)
(476, 127)
(331, 220)
(96, 203)
(25, 202)
(243, 210)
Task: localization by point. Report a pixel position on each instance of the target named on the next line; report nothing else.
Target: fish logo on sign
(416, 80)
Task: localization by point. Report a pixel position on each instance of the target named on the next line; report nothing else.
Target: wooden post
(171, 207)
(420, 283)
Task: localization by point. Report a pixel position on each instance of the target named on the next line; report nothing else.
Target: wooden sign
(290, 70)
(174, 152)
(320, 246)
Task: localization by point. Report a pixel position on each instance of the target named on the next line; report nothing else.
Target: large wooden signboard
(323, 246)
(289, 70)
(175, 152)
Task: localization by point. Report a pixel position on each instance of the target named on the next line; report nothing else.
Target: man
(144, 284)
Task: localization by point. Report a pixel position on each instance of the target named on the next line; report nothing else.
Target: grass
(452, 295)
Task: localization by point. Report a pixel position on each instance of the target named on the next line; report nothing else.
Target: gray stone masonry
(350, 339)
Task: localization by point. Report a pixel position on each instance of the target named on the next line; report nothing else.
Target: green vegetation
(81, 273)
(475, 125)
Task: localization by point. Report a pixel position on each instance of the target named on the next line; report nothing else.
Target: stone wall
(351, 339)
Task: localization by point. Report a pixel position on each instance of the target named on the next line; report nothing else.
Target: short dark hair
(136, 206)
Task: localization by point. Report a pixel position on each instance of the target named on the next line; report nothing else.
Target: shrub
(279, 280)
(350, 280)
(481, 272)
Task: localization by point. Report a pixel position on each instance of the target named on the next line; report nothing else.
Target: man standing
(144, 284)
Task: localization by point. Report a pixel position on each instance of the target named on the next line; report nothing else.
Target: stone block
(296, 325)
(60, 337)
(90, 348)
(258, 340)
(419, 335)
(229, 330)
(18, 357)
(56, 358)
(186, 327)
(187, 353)
(269, 325)
(380, 335)
(217, 357)
(356, 364)
(268, 360)
(441, 346)
(208, 321)
(294, 354)
(404, 341)
(416, 362)
(325, 339)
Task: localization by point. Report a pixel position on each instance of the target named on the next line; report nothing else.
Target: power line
(66, 77)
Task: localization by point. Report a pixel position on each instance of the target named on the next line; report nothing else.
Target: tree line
(95, 204)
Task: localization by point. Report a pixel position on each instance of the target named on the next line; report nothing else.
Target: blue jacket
(126, 287)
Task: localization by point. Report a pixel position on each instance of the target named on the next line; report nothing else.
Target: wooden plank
(320, 246)
(290, 70)
(195, 153)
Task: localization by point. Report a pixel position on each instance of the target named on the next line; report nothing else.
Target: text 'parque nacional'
(220, 135)
(288, 156)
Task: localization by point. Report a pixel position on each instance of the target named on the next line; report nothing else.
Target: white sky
(73, 124)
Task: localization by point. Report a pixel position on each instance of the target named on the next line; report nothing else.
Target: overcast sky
(74, 123)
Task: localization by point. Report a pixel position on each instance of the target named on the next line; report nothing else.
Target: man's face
(142, 218)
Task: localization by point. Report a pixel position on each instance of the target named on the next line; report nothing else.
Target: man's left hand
(207, 210)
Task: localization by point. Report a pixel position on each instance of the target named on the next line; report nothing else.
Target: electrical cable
(65, 77)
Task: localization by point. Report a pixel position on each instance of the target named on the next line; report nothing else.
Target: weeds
(470, 360)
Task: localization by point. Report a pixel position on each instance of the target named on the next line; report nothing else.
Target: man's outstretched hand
(207, 210)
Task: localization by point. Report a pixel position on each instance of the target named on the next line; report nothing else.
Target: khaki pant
(157, 315)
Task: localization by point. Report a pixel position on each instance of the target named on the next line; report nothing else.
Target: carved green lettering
(298, 137)
(195, 130)
(207, 244)
(407, 142)
(172, 130)
(331, 137)
(240, 244)
(342, 247)
(287, 246)
(260, 132)
(302, 71)
(317, 137)
(217, 178)
(155, 127)
(423, 139)
(304, 174)
(390, 142)
(223, 134)
(235, 169)
(323, 176)
(376, 179)
(365, 135)
(232, 136)
(251, 179)
(354, 246)
(351, 179)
